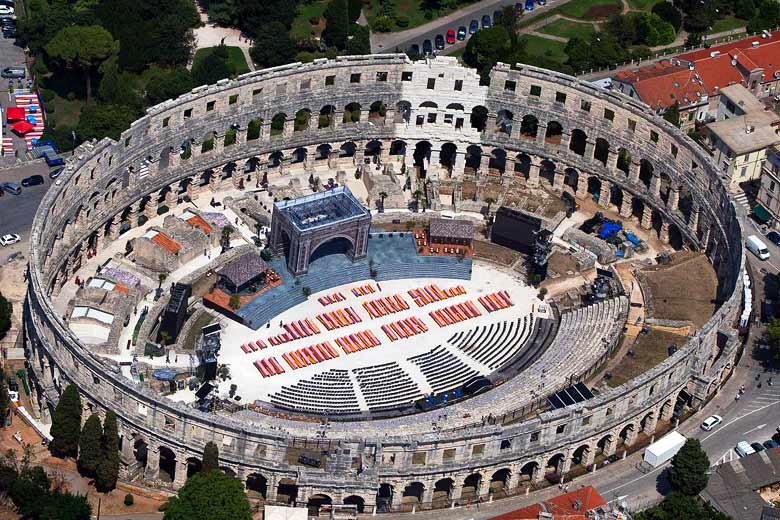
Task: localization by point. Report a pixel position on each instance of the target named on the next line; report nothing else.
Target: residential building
(769, 191)
(742, 488)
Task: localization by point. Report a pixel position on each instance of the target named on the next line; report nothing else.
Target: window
(510, 85)
(305, 85)
(406, 76)
(771, 186)
(478, 450)
(170, 424)
(95, 380)
(610, 411)
(232, 100)
(536, 90)
(210, 106)
(281, 90)
(330, 81)
(127, 142)
(142, 409)
(381, 76)
(354, 78)
(560, 429)
(534, 437)
(166, 122)
(632, 125)
(449, 454)
(431, 83)
(418, 458)
(609, 115)
(586, 420)
(188, 113)
(585, 105)
(690, 116)
(560, 97)
(506, 444)
(256, 92)
(654, 136)
(432, 117)
(743, 173)
(674, 150)
(458, 84)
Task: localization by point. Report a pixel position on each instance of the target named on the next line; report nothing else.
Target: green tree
(82, 48)
(354, 7)
(6, 309)
(688, 473)
(772, 339)
(693, 40)
(5, 400)
(677, 506)
(606, 50)
(29, 491)
(489, 201)
(486, 48)
(65, 506)
(66, 423)
(768, 16)
(672, 114)
(337, 19)
(654, 31)
(117, 87)
(162, 84)
(235, 301)
(100, 120)
(108, 467)
(272, 47)
(745, 9)
(213, 67)
(211, 495)
(579, 53)
(89, 445)
(359, 41)
(669, 13)
(210, 457)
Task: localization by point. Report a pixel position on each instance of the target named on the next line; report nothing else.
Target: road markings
(738, 418)
(759, 427)
(727, 457)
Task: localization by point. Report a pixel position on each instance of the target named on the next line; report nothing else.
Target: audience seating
(330, 298)
(495, 344)
(442, 369)
(455, 313)
(362, 340)
(432, 293)
(329, 392)
(295, 330)
(386, 386)
(405, 328)
(339, 318)
(311, 355)
(253, 346)
(363, 290)
(496, 301)
(384, 306)
(268, 367)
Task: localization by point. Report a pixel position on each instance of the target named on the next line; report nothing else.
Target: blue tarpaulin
(608, 229)
(164, 374)
(632, 238)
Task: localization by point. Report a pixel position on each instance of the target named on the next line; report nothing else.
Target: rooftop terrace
(322, 209)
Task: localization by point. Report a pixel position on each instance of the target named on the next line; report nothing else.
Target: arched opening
(685, 204)
(398, 148)
(504, 122)
(287, 491)
(626, 434)
(302, 119)
(594, 185)
(665, 187)
(275, 159)
(412, 496)
(523, 165)
(140, 451)
(624, 160)
(479, 115)
(499, 483)
(603, 445)
(373, 148)
(656, 220)
(601, 150)
(497, 160)
(277, 123)
(256, 485)
(358, 502)
(647, 422)
(298, 156)
(323, 152)
(384, 498)
(377, 111)
(528, 471)
(570, 178)
(529, 127)
(254, 128)
(347, 149)
(553, 133)
(448, 155)
(637, 208)
(579, 455)
(316, 504)
(676, 239)
(403, 112)
(616, 196)
(167, 464)
(332, 246)
(547, 171)
(645, 172)
(194, 466)
(473, 157)
(471, 487)
(578, 141)
(422, 156)
(352, 113)
(554, 464)
(455, 106)
(442, 492)
(285, 240)
(326, 116)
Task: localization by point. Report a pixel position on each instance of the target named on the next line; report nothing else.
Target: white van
(757, 247)
(744, 449)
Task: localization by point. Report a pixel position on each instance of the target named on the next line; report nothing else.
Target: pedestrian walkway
(741, 198)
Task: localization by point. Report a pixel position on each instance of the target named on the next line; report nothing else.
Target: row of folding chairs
(339, 318)
(311, 355)
(301, 328)
(455, 314)
(253, 346)
(405, 328)
(496, 301)
(268, 367)
(363, 290)
(385, 306)
(433, 293)
(330, 298)
(358, 341)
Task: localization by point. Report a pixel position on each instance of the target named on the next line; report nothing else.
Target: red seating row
(330, 298)
(295, 330)
(432, 293)
(363, 290)
(339, 318)
(496, 301)
(455, 314)
(312, 355)
(269, 367)
(385, 306)
(405, 328)
(358, 341)
(253, 346)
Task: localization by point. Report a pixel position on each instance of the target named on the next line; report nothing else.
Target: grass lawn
(727, 24)
(236, 58)
(643, 5)
(590, 9)
(539, 46)
(66, 113)
(568, 29)
(302, 27)
(411, 9)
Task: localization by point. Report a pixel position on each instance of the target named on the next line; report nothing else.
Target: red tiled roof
(527, 513)
(569, 506)
(166, 242)
(199, 222)
(725, 48)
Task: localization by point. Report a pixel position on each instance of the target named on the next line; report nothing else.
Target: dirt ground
(495, 253)
(649, 350)
(684, 289)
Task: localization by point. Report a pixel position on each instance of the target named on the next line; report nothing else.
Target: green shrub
(163, 209)
(47, 95)
(402, 21)
(129, 499)
(51, 108)
(382, 24)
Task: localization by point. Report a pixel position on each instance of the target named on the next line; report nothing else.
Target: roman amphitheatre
(302, 265)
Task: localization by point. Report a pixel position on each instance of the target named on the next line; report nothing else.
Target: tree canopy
(210, 458)
(6, 309)
(338, 22)
(98, 121)
(108, 466)
(486, 48)
(89, 445)
(688, 472)
(66, 423)
(677, 506)
(273, 47)
(211, 495)
(213, 67)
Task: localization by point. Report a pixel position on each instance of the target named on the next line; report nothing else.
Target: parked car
(769, 444)
(450, 36)
(427, 47)
(757, 446)
(711, 422)
(32, 180)
(774, 237)
(486, 23)
(473, 26)
(13, 73)
(11, 187)
(743, 449)
(5, 9)
(439, 42)
(10, 238)
(461, 33)
(56, 172)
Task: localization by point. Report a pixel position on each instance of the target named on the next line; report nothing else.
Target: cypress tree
(210, 457)
(108, 467)
(5, 400)
(66, 424)
(89, 445)
(337, 23)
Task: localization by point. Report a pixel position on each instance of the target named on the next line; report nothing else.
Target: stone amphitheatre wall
(668, 183)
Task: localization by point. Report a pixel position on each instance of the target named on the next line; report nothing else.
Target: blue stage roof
(322, 209)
